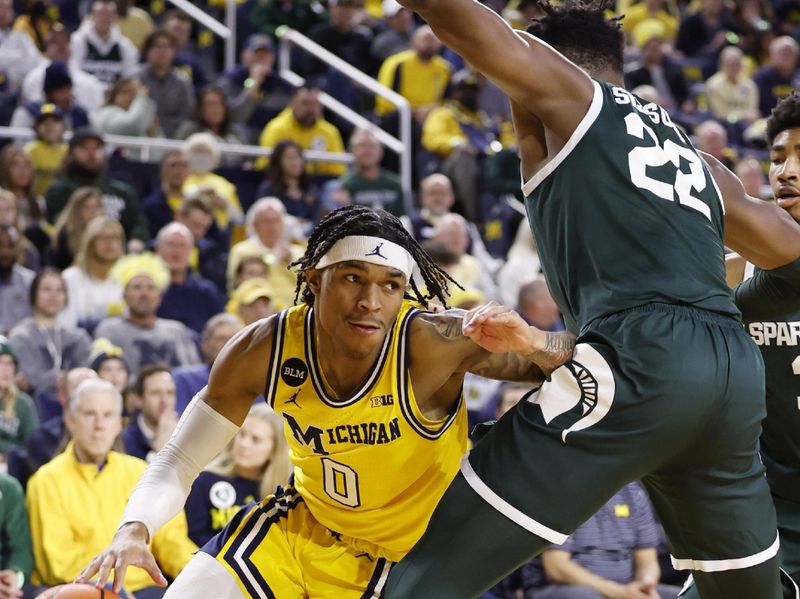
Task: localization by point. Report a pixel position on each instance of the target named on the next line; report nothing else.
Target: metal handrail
(402, 145)
(228, 33)
(160, 143)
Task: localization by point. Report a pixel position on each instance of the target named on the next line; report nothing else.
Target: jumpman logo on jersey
(365, 554)
(293, 399)
(377, 252)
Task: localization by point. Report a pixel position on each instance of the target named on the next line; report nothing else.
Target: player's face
(253, 445)
(94, 424)
(784, 170)
(158, 396)
(356, 304)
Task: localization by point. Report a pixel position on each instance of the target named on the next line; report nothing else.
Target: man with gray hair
(268, 236)
(51, 435)
(76, 500)
(192, 378)
(190, 298)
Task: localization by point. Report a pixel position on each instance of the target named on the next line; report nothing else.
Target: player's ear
(314, 280)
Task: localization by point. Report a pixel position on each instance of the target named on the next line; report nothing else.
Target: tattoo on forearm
(509, 367)
(559, 342)
(449, 324)
(557, 349)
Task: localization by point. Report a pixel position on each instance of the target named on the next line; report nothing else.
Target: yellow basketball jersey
(369, 466)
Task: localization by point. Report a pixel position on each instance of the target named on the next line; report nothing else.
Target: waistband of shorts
(660, 307)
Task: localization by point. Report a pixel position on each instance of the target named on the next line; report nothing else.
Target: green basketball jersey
(779, 342)
(627, 214)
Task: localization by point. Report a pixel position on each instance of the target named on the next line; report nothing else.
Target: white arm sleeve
(161, 493)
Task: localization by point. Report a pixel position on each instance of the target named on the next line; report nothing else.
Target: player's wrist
(134, 530)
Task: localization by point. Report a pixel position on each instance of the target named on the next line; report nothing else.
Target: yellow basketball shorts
(277, 549)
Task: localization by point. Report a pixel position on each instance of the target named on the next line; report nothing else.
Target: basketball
(78, 591)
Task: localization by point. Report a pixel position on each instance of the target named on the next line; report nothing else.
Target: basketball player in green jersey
(665, 384)
(770, 308)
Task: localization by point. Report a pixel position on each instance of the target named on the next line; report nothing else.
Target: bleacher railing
(402, 145)
(227, 32)
(149, 144)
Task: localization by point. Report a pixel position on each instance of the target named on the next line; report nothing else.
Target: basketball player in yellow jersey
(369, 386)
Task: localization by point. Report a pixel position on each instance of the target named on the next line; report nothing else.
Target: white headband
(374, 250)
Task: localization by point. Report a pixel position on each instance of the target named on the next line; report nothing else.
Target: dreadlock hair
(786, 115)
(579, 30)
(362, 220)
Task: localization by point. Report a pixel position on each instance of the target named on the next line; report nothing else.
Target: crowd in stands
(123, 270)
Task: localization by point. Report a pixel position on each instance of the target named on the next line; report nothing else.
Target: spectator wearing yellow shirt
(203, 156)
(650, 9)
(76, 501)
(420, 75)
(461, 134)
(302, 123)
(47, 152)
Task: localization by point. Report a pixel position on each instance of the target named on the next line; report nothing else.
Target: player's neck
(342, 373)
(608, 75)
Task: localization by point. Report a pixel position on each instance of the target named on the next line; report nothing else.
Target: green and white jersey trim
(720, 565)
(574, 139)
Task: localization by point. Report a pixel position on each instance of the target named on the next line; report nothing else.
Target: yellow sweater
(322, 136)
(421, 83)
(75, 509)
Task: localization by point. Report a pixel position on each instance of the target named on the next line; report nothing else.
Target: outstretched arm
(529, 71)
(205, 429)
(494, 342)
(759, 231)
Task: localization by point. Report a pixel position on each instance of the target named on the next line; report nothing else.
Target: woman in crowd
(44, 346)
(212, 115)
(106, 359)
(91, 293)
(18, 417)
(128, 111)
(84, 204)
(17, 176)
(9, 215)
(288, 181)
(256, 461)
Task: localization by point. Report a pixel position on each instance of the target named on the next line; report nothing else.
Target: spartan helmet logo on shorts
(587, 382)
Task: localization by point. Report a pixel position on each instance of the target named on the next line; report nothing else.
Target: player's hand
(498, 328)
(128, 548)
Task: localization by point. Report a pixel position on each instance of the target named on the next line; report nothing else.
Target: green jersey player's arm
(734, 269)
(529, 71)
(762, 233)
(769, 294)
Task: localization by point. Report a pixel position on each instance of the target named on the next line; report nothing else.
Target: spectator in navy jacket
(152, 426)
